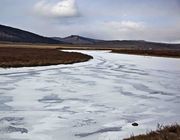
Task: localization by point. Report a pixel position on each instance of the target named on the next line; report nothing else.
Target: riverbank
(164, 52)
(159, 53)
(27, 57)
(162, 133)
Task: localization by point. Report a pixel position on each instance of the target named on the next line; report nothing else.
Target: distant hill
(137, 44)
(11, 34)
(75, 39)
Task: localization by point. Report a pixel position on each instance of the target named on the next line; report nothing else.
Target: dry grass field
(23, 55)
(26, 57)
(160, 53)
(162, 133)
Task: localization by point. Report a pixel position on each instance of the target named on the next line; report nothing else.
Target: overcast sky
(153, 20)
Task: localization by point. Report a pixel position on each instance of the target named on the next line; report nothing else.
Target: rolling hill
(135, 44)
(76, 39)
(11, 34)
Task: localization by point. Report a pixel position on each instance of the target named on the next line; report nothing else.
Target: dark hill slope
(75, 39)
(138, 44)
(11, 34)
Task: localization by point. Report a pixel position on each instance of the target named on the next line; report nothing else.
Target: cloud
(132, 30)
(163, 34)
(125, 29)
(63, 8)
(124, 25)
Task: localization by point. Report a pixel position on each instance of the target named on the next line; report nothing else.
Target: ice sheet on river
(95, 100)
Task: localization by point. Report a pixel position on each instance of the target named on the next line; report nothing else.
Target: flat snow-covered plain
(95, 100)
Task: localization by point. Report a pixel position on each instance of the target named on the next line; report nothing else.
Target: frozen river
(95, 100)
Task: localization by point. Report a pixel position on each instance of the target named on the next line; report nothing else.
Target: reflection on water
(98, 100)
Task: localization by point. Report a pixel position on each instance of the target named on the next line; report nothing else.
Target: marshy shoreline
(13, 55)
(29, 57)
(146, 52)
(171, 132)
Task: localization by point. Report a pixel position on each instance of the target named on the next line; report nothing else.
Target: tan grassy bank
(162, 133)
(27, 57)
(159, 53)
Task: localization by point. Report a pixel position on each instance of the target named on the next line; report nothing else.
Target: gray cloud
(62, 8)
(125, 30)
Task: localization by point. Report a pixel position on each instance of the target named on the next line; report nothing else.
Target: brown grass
(26, 57)
(162, 133)
(164, 52)
(160, 53)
